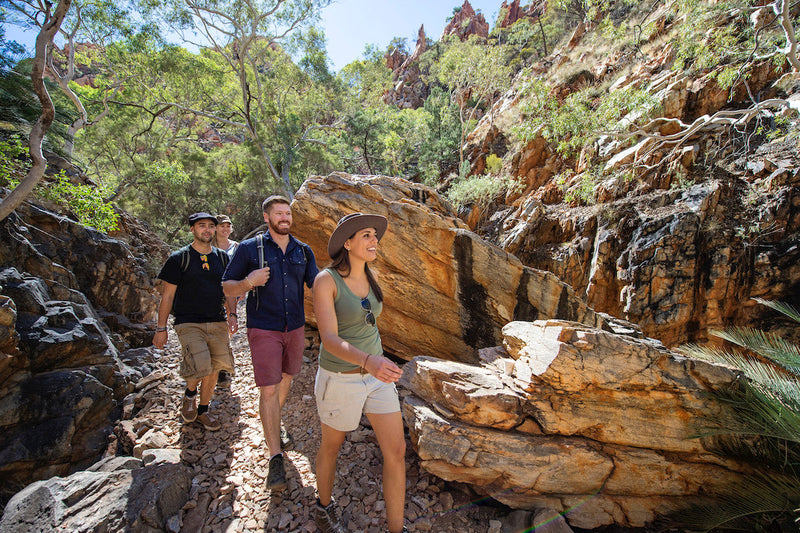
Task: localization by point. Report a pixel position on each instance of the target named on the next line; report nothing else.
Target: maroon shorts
(275, 353)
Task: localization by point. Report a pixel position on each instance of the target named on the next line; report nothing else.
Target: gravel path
(230, 465)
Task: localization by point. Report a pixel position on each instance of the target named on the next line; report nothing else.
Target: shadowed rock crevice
(524, 310)
(475, 329)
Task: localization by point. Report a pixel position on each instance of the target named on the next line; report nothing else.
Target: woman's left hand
(383, 369)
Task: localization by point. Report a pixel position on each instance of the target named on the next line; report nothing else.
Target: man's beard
(204, 239)
(280, 230)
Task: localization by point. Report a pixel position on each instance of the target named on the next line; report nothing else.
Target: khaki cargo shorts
(205, 348)
(342, 398)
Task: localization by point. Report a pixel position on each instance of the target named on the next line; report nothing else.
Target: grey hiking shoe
(287, 441)
(224, 380)
(276, 477)
(189, 408)
(328, 519)
(208, 421)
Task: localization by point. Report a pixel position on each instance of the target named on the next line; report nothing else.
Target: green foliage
(584, 192)
(10, 51)
(12, 161)
(475, 74)
(721, 33)
(765, 426)
(582, 116)
(479, 189)
(85, 201)
(494, 164)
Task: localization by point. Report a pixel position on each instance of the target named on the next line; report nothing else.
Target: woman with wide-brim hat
(353, 376)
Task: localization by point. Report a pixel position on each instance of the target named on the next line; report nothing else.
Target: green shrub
(494, 164)
(480, 189)
(11, 164)
(85, 201)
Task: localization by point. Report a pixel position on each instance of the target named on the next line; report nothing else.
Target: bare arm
(324, 293)
(164, 308)
(230, 314)
(234, 288)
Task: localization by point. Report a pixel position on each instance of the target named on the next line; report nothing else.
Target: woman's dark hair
(341, 262)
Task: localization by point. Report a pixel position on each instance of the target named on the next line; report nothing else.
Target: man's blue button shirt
(278, 305)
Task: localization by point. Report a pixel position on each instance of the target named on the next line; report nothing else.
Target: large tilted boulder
(447, 291)
(116, 494)
(597, 425)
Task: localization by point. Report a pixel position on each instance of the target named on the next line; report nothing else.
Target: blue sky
(352, 24)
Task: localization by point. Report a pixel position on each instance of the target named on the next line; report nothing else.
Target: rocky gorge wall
(595, 425)
(680, 249)
(74, 304)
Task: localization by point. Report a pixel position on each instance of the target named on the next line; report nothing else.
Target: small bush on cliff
(85, 201)
(12, 161)
(581, 117)
(766, 428)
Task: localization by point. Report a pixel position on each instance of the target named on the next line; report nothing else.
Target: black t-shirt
(199, 296)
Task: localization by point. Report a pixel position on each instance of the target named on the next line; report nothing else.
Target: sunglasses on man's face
(367, 306)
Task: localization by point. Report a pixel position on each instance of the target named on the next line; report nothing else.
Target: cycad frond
(765, 344)
(782, 308)
(764, 429)
(758, 370)
(757, 495)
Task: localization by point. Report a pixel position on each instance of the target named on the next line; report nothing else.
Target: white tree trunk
(43, 40)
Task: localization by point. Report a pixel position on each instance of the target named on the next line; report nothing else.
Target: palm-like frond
(762, 371)
(759, 494)
(765, 344)
(765, 428)
(782, 308)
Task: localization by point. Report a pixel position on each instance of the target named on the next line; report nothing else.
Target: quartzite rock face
(447, 291)
(62, 377)
(117, 494)
(594, 424)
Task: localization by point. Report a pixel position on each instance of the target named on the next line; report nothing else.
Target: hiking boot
(286, 439)
(224, 380)
(328, 519)
(209, 422)
(276, 478)
(189, 408)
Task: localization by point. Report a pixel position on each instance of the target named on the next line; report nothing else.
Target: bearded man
(204, 318)
(272, 268)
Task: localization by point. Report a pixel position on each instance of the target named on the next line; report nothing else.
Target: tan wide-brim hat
(348, 225)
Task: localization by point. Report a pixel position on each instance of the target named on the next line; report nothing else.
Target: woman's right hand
(383, 369)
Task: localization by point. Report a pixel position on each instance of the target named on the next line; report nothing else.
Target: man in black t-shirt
(191, 289)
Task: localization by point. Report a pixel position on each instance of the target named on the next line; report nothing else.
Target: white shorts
(342, 398)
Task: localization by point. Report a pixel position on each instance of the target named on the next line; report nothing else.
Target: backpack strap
(260, 245)
(185, 258)
(223, 256)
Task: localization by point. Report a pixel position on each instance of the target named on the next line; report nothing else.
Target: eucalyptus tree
(89, 27)
(475, 75)
(51, 21)
(263, 89)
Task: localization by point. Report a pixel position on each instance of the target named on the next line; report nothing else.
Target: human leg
(391, 439)
(326, 513)
(195, 364)
(327, 455)
(269, 411)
